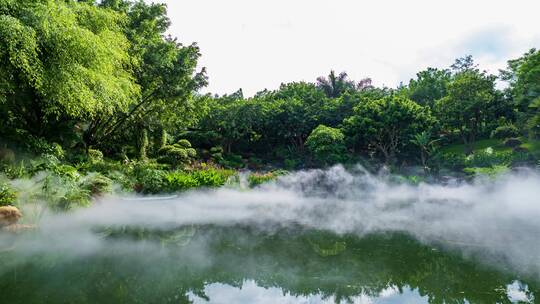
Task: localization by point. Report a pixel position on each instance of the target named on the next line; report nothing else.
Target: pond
(239, 264)
(323, 237)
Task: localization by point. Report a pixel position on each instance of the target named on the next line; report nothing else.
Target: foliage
(427, 146)
(387, 125)
(234, 161)
(87, 87)
(178, 154)
(491, 172)
(327, 145)
(61, 60)
(97, 184)
(505, 131)
(334, 86)
(468, 105)
(429, 86)
(95, 155)
(257, 179)
(8, 196)
(180, 181)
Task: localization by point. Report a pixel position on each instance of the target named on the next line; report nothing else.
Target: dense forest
(98, 90)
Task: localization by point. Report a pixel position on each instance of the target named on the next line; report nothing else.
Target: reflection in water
(243, 264)
(251, 293)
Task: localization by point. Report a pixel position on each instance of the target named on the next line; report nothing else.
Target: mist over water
(373, 229)
(498, 221)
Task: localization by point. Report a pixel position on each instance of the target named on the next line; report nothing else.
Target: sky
(258, 44)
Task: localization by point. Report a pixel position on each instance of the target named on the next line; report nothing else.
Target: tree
(468, 105)
(427, 147)
(61, 61)
(387, 125)
(523, 74)
(430, 85)
(334, 86)
(327, 145)
(164, 69)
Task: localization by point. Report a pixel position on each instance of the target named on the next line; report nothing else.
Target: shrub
(216, 153)
(232, 161)
(181, 180)
(8, 196)
(488, 158)
(505, 131)
(212, 177)
(491, 172)
(95, 155)
(291, 164)
(39, 146)
(454, 161)
(257, 179)
(151, 181)
(512, 142)
(7, 155)
(327, 145)
(184, 143)
(97, 184)
(14, 170)
(178, 154)
(63, 192)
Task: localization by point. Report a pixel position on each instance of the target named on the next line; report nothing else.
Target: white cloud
(256, 44)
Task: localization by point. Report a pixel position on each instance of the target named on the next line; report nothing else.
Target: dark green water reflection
(247, 265)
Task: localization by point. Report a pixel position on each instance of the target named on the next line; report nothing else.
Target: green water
(242, 264)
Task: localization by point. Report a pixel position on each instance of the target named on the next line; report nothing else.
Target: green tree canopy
(327, 145)
(387, 125)
(61, 60)
(429, 86)
(468, 105)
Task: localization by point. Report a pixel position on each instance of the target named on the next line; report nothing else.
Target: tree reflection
(300, 262)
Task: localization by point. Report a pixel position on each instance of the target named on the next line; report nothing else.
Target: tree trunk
(143, 145)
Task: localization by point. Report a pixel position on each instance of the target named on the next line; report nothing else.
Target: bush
(216, 153)
(454, 161)
(63, 192)
(291, 164)
(212, 177)
(8, 196)
(491, 172)
(151, 181)
(95, 155)
(14, 170)
(7, 155)
(97, 184)
(512, 142)
(257, 179)
(178, 154)
(327, 145)
(505, 131)
(232, 161)
(488, 158)
(181, 180)
(39, 146)
(184, 143)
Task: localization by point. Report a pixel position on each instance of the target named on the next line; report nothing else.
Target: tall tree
(164, 69)
(523, 74)
(469, 103)
(60, 61)
(387, 125)
(334, 86)
(430, 85)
